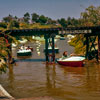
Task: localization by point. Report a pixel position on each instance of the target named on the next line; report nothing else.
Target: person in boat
(29, 48)
(22, 47)
(65, 55)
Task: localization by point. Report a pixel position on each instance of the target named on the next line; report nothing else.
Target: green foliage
(3, 25)
(3, 54)
(4, 49)
(91, 16)
(72, 22)
(13, 24)
(24, 25)
(62, 21)
(38, 25)
(10, 25)
(78, 43)
(8, 18)
(42, 19)
(16, 24)
(26, 17)
(35, 17)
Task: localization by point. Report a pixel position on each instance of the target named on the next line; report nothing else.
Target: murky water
(34, 79)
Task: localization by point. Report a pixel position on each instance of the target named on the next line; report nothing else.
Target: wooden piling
(53, 49)
(98, 47)
(87, 47)
(46, 48)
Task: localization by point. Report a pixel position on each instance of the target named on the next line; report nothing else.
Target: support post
(87, 47)
(46, 48)
(53, 49)
(98, 47)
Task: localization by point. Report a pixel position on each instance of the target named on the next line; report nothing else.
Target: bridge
(91, 34)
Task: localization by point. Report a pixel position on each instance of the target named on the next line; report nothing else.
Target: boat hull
(62, 38)
(50, 50)
(71, 63)
(24, 54)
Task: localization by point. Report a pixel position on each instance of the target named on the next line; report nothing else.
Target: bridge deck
(68, 30)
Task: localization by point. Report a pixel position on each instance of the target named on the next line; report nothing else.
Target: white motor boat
(74, 61)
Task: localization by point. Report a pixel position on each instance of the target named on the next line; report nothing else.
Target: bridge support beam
(49, 41)
(53, 49)
(98, 48)
(46, 48)
(87, 47)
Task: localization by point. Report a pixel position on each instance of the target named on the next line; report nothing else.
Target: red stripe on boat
(71, 63)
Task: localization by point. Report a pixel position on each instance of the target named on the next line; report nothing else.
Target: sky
(54, 9)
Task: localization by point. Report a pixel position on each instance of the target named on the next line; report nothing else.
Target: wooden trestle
(90, 33)
(92, 47)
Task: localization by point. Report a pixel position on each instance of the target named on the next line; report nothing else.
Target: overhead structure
(91, 34)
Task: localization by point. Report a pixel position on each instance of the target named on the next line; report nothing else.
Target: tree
(3, 54)
(4, 49)
(72, 22)
(69, 21)
(16, 17)
(8, 18)
(35, 17)
(16, 24)
(3, 25)
(26, 17)
(13, 24)
(49, 21)
(62, 21)
(91, 16)
(43, 19)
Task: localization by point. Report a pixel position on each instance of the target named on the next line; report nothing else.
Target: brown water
(35, 79)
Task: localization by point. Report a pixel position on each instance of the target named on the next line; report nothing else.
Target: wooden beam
(98, 47)
(46, 48)
(87, 47)
(53, 49)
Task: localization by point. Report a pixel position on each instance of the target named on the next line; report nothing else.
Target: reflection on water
(51, 83)
(38, 48)
(34, 79)
(11, 76)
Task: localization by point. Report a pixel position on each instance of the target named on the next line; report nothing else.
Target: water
(36, 78)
